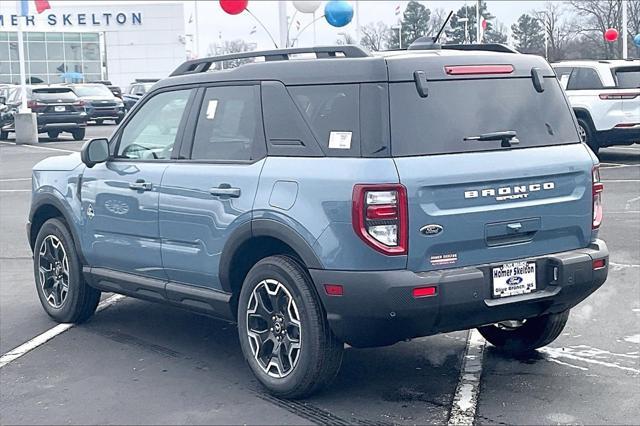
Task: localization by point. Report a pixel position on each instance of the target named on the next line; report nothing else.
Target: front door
(207, 196)
(120, 197)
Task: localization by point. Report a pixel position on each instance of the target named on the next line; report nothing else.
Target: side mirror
(95, 151)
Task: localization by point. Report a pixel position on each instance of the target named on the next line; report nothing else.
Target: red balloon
(611, 35)
(234, 7)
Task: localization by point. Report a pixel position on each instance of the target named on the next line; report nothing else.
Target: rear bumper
(377, 307)
(619, 136)
(61, 122)
(106, 114)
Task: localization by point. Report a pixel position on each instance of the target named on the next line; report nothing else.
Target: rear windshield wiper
(507, 138)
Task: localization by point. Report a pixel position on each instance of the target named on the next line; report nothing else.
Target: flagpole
(23, 72)
(478, 26)
(624, 29)
(197, 43)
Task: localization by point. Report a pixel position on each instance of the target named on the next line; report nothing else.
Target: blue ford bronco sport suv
(342, 198)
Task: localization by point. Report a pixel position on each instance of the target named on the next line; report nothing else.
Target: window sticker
(340, 140)
(211, 109)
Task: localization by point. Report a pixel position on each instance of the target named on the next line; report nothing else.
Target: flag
(398, 10)
(253, 30)
(41, 6)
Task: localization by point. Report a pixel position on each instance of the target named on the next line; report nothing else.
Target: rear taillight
(35, 106)
(618, 96)
(597, 188)
(380, 217)
(478, 69)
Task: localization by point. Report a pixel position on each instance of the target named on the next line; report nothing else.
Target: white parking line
(38, 147)
(43, 338)
(14, 179)
(15, 190)
(465, 400)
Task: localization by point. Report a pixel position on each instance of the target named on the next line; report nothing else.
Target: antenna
(446, 21)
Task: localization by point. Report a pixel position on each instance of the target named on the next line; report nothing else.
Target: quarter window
(152, 131)
(228, 125)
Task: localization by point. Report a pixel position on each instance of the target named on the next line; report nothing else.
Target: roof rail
(203, 64)
(489, 47)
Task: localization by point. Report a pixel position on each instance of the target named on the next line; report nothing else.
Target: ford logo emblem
(514, 280)
(432, 229)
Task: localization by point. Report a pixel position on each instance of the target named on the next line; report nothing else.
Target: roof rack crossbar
(203, 64)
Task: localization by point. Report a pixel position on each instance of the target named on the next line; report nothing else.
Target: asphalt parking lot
(142, 363)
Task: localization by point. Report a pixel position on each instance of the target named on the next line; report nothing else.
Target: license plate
(514, 278)
(59, 108)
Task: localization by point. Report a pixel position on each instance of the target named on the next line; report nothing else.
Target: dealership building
(87, 41)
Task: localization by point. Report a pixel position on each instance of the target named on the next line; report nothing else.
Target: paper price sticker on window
(211, 109)
(340, 140)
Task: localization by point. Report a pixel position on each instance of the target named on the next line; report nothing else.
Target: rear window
(54, 93)
(456, 109)
(627, 78)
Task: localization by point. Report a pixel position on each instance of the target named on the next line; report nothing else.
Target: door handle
(141, 185)
(225, 190)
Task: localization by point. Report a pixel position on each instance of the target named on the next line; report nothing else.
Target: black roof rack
(203, 64)
(489, 47)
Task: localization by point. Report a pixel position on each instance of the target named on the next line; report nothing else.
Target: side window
(228, 125)
(563, 74)
(152, 131)
(332, 111)
(584, 79)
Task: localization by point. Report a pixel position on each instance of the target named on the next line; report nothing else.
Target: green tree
(528, 34)
(415, 23)
(457, 34)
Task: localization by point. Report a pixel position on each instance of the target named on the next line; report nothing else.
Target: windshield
(93, 91)
(628, 77)
(455, 110)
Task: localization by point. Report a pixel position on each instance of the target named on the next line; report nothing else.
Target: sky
(214, 24)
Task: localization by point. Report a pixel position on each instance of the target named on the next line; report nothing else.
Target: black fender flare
(263, 228)
(43, 199)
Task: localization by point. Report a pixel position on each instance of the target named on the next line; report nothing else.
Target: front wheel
(52, 134)
(62, 290)
(78, 134)
(283, 331)
(522, 337)
(4, 135)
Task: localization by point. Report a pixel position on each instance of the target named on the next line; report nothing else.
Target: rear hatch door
(486, 201)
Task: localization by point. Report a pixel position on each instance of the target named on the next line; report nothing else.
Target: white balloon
(306, 6)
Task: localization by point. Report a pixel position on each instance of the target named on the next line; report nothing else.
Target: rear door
(472, 201)
(210, 192)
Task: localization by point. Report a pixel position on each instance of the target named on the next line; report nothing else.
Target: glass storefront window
(52, 57)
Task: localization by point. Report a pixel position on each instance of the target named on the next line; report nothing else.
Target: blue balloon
(636, 40)
(338, 13)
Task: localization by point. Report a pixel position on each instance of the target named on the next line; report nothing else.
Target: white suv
(605, 96)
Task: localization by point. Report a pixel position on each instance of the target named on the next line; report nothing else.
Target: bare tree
(375, 36)
(231, 46)
(558, 29)
(633, 17)
(598, 16)
(345, 38)
(436, 21)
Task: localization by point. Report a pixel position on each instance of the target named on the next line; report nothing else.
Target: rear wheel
(4, 135)
(53, 134)
(283, 330)
(63, 293)
(99, 122)
(587, 134)
(118, 120)
(521, 337)
(78, 134)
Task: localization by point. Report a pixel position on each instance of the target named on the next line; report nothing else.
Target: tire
(99, 122)
(317, 361)
(78, 134)
(53, 134)
(118, 120)
(587, 135)
(4, 135)
(533, 334)
(80, 301)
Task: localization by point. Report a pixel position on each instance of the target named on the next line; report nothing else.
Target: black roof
(347, 64)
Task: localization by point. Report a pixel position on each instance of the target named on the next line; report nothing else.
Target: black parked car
(57, 109)
(136, 91)
(99, 102)
(116, 90)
